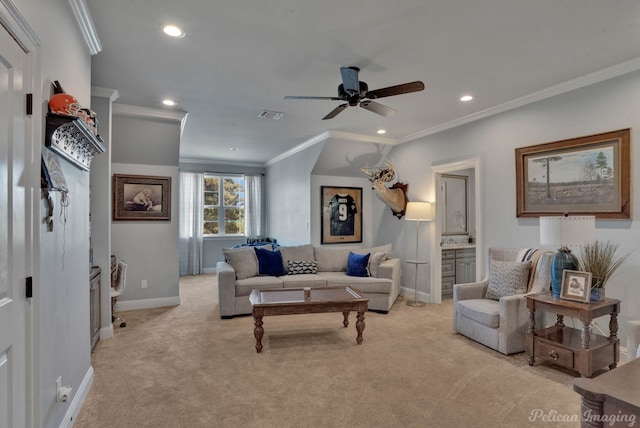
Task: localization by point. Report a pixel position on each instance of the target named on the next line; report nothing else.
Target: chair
(500, 324)
(633, 340)
(117, 288)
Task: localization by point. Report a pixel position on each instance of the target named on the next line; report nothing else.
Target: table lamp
(565, 231)
(417, 211)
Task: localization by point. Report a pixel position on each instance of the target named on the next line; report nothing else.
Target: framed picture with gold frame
(576, 285)
(141, 197)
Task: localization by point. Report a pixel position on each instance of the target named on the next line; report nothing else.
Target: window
(224, 204)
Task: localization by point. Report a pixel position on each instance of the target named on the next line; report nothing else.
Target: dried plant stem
(601, 259)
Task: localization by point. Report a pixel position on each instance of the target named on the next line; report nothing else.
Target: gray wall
(289, 192)
(606, 106)
(147, 147)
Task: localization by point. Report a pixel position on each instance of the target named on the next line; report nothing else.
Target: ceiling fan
(355, 92)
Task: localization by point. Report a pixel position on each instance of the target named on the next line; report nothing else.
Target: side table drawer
(552, 352)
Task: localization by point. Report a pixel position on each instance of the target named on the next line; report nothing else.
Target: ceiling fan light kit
(357, 93)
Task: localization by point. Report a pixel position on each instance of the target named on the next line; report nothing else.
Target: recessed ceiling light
(381, 131)
(465, 98)
(234, 149)
(173, 31)
(169, 103)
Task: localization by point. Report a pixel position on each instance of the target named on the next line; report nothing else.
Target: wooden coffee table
(292, 301)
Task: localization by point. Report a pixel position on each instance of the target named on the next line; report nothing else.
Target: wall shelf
(71, 138)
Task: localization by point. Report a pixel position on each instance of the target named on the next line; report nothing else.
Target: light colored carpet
(185, 367)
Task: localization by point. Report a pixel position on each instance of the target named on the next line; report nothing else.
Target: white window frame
(221, 207)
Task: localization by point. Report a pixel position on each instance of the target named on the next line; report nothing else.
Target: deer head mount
(395, 196)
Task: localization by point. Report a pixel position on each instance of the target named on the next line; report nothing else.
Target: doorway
(471, 168)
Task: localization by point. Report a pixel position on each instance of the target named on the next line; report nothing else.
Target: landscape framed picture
(576, 285)
(341, 214)
(588, 175)
(141, 197)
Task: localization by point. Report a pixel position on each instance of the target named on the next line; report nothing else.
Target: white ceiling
(243, 56)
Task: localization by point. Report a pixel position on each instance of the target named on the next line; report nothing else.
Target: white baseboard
(130, 305)
(78, 400)
(210, 270)
(410, 293)
(106, 332)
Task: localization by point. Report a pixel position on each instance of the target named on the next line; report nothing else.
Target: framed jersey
(341, 214)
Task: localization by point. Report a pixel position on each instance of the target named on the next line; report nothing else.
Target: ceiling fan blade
(350, 79)
(377, 108)
(333, 113)
(405, 88)
(293, 97)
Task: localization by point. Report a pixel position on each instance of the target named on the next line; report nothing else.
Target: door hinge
(29, 104)
(29, 287)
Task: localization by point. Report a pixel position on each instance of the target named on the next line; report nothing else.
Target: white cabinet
(458, 267)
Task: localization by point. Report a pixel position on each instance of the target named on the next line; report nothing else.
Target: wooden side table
(572, 348)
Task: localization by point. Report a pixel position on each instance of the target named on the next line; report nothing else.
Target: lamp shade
(567, 231)
(418, 211)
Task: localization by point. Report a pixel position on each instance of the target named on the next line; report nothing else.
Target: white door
(14, 183)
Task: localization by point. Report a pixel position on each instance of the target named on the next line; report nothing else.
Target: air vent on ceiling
(275, 115)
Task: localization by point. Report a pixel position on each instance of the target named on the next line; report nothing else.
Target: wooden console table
(569, 347)
(611, 399)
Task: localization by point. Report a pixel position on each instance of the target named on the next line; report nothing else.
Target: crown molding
(204, 161)
(17, 26)
(83, 17)
(151, 113)
(112, 94)
(326, 135)
(568, 86)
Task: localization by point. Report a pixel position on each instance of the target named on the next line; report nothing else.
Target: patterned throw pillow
(507, 279)
(300, 267)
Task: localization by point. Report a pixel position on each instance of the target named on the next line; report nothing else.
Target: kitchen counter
(457, 246)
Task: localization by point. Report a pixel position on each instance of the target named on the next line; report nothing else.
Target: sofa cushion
(374, 262)
(298, 267)
(243, 261)
(366, 284)
(244, 286)
(269, 262)
(507, 278)
(357, 264)
(303, 253)
(331, 259)
(484, 311)
(303, 280)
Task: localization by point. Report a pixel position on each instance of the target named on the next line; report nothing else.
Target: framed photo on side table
(141, 197)
(341, 214)
(587, 175)
(576, 285)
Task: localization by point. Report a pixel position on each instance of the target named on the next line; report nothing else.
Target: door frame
(17, 26)
(435, 295)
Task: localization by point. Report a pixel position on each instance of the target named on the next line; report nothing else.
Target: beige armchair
(500, 324)
(633, 340)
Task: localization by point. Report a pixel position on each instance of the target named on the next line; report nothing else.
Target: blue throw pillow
(357, 264)
(269, 262)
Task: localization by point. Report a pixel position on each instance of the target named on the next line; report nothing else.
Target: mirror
(454, 190)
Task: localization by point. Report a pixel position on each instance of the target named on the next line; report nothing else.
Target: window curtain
(253, 222)
(191, 222)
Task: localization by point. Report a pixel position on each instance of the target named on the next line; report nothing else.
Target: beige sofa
(238, 275)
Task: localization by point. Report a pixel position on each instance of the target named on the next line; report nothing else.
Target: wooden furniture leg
(258, 332)
(360, 327)
(346, 319)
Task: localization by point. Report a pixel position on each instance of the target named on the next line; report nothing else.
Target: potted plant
(601, 259)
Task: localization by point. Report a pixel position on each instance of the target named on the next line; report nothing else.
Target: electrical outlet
(144, 283)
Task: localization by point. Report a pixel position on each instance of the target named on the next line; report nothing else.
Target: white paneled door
(14, 182)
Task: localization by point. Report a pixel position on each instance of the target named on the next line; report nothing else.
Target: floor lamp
(417, 211)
